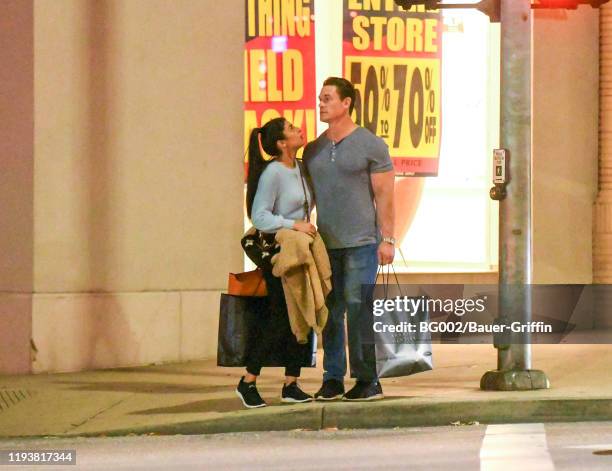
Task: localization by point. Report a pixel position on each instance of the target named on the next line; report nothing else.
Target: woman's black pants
(274, 334)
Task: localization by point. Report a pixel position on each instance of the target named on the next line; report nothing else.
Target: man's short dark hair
(344, 88)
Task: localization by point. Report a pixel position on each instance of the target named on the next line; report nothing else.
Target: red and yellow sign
(279, 64)
(393, 57)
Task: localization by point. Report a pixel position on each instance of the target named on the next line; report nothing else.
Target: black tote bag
(238, 329)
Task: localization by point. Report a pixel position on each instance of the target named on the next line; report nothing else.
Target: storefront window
(453, 225)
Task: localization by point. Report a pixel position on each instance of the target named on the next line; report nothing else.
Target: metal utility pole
(515, 245)
(513, 187)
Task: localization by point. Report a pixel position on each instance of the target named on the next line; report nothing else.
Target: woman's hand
(304, 226)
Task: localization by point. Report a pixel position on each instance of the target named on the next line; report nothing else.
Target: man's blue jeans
(351, 268)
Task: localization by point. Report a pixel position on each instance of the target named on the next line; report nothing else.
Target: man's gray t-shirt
(346, 215)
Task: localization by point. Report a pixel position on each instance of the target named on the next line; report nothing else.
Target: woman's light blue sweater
(279, 200)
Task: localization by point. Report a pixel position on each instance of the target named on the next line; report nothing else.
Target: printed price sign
(393, 58)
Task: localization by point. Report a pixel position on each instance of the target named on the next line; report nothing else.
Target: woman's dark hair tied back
(267, 136)
(272, 132)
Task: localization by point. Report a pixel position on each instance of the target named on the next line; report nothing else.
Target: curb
(389, 413)
(399, 414)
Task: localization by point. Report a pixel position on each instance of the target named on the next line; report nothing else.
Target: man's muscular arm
(383, 186)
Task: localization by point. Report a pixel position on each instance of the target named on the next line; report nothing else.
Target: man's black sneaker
(248, 394)
(331, 390)
(364, 391)
(293, 393)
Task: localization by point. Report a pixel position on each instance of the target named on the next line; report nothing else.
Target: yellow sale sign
(393, 58)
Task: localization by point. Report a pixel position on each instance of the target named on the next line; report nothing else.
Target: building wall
(121, 182)
(16, 183)
(138, 178)
(565, 143)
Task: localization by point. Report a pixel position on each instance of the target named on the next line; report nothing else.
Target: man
(353, 181)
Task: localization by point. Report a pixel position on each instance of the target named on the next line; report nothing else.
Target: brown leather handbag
(248, 283)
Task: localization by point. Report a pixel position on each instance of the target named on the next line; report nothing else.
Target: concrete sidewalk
(198, 397)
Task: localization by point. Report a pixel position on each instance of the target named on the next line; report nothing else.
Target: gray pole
(514, 353)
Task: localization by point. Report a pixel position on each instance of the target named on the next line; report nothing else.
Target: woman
(277, 198)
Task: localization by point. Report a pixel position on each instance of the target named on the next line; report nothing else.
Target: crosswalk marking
(602, 446)
(515, 446)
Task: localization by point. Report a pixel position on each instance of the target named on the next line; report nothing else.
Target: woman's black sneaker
(364, 391)
(248, 394)
(331, 390)
(293, 393)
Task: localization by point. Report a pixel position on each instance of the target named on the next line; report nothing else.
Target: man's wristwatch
(389, 240)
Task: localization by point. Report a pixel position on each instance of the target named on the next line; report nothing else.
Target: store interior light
(279, 44)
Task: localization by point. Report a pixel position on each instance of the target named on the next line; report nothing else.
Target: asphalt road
(575, 446)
